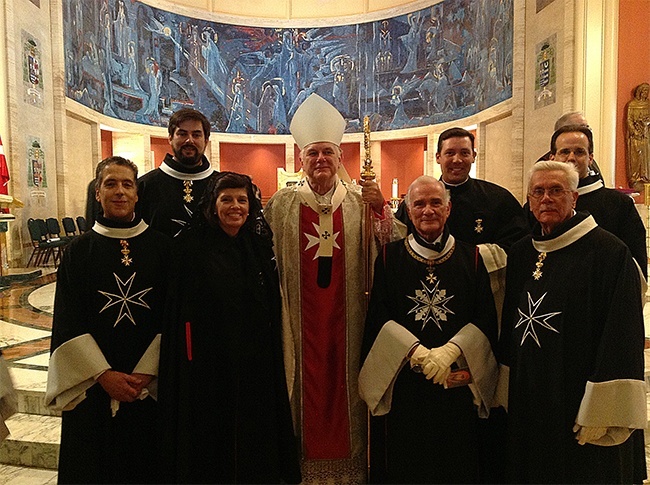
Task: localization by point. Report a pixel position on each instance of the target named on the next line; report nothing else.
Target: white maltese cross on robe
(124, 298)
(531, 319)
(431, 305)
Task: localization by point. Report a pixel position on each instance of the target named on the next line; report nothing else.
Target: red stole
(325, 418)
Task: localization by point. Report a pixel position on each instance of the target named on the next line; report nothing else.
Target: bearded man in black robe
(169, 194)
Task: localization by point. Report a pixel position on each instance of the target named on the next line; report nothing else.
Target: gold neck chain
(431, 263)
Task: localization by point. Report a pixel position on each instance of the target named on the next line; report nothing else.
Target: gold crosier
(367, 175)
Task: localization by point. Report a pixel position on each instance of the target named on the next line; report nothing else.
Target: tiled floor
(25, 328)
(25, 324)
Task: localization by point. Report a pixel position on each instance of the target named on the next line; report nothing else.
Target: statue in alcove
(638, 136)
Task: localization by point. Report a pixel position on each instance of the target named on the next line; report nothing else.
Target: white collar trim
(430, 253)
(585, 189)
(186, 176)
(569, 237)
(120, 232)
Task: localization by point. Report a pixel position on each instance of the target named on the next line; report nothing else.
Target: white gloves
(436, 363)
(589, 434)
(417, 357)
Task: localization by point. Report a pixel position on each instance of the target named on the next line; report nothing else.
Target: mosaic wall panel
(138, 63)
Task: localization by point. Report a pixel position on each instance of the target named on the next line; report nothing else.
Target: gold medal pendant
(431, 278)
(537, 274)
(126, 260)
(187, 189)
(478, 229)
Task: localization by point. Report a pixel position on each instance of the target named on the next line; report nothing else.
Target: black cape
(581, 321)
(95, 447)
(485, 213)
(223, 395)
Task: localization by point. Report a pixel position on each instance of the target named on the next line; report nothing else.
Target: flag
(4, 175)
(4, 171)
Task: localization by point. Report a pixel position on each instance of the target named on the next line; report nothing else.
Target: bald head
(571, 118)
(423, 180)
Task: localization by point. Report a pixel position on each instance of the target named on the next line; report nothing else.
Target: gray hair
(565, 119)
(337, 148)
(551, 165)
(427, 179)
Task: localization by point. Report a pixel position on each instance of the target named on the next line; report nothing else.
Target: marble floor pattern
(25, 328)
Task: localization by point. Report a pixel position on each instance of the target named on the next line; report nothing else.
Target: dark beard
(189, 161)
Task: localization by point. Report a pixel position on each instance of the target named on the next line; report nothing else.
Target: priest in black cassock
(429, 372)
(484, 213)
(611, 209)
(572, 341)
(106, 339)
(169, 195)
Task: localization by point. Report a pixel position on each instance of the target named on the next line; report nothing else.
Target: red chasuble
(326, 421)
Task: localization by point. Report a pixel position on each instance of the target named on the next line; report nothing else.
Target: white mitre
(316, 120)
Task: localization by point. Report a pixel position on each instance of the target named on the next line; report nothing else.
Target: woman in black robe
(223, 395)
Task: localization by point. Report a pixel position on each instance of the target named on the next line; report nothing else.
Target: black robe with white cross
(572, 337)
(107, 315)
(427, 430)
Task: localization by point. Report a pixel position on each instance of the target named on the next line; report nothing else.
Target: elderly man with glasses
(572, 344)
(611, 209)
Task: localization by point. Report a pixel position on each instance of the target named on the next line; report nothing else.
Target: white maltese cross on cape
(431, 305)
(124, 298)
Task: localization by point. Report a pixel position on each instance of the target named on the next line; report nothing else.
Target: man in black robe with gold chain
(106, 339)
(572, 342)
(169, 195)
(432, 307)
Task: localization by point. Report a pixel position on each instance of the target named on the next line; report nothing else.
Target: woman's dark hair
(255, 221)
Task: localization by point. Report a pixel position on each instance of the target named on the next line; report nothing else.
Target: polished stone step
(33, 442)
(30, 389)
(21, 475)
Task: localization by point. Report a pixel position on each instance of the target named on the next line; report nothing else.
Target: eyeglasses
(553, 192)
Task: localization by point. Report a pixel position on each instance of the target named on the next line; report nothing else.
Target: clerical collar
(565, 233)
(448, 185)
(175, 169)
(588, 184)
(437, 245)
(119, 230)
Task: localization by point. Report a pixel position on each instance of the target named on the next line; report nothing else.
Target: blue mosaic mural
(138, 63)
